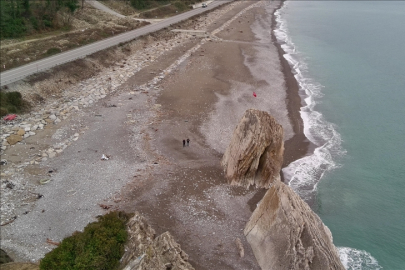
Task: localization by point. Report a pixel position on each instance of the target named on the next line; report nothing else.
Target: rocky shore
(114, 141)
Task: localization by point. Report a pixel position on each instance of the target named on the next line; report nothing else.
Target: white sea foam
(354, 259)
(304, 174)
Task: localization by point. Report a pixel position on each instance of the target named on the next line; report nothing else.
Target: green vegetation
(99, 247)
(24, 17)
(52, 51)
(12, 102)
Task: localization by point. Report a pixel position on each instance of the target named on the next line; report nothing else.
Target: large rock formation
(255, 154)
(145, 251)
(285, 233)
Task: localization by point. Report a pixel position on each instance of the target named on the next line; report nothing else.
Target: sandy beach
(178, 189)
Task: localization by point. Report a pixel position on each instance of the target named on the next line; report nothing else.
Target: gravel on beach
(136, 120)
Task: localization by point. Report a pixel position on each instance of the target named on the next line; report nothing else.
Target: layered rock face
(145, 251)
(255, 154)
(285, 233)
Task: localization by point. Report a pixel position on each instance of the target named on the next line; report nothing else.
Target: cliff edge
(255, 154)
(145, 251)
(283, 231)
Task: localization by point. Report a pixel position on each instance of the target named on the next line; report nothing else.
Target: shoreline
(298, 146)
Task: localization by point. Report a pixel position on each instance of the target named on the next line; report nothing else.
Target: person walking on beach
(184, 143)
(188, 141)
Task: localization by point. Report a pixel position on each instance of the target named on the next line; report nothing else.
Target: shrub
(139, 4)
(99, 247)
(53, 51)
(14, 98)
(12, 102)
(34, 22)
(3, 111)
(180, 5)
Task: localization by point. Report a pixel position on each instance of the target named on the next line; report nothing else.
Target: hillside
(23, 17)
(51, 27)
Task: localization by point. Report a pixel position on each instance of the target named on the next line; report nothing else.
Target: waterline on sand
(303, 174)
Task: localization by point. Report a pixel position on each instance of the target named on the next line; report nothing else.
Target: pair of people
(184, 142)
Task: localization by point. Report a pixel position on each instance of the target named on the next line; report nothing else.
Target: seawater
(348, 57)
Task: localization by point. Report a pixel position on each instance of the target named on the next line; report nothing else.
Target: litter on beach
(105, 207)
(49, 241)
(254, 94)
(44, 181)
(105, 157)
(10, 117)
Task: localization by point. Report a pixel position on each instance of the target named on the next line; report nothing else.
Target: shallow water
(348, 58)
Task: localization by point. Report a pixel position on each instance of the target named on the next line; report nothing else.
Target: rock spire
(255, 154)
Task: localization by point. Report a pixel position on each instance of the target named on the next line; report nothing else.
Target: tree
(138, 4)
(26, 5)
(22, 17)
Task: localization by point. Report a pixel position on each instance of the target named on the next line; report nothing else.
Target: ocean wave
(304, 174)
(354, 259)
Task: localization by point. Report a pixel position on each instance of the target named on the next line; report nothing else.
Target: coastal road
(19, 73)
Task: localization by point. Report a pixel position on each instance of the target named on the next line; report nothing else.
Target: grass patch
(52, 51)
(99, 247)
(12, 102)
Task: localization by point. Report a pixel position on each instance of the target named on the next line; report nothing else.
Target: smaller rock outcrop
(285, 233)
(4, 258)
(13, 139)
(255, 154)
(145, 251)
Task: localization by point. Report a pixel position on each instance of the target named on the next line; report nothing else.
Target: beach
(205, 86)
(203, 101)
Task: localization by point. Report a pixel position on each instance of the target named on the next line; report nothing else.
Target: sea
(349, 60)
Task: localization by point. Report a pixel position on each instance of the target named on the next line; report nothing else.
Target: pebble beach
(135, 115)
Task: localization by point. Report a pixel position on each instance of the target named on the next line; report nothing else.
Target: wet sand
(297, 146)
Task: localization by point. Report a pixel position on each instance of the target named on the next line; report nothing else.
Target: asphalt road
(19, 73)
